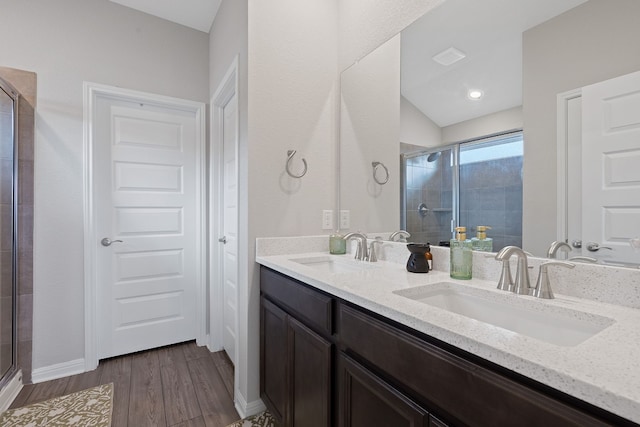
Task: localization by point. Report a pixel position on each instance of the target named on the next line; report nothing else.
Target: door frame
(562, 167)
(226, 90)
(92, 91)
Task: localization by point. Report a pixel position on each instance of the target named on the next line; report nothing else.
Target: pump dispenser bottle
(481, 242)
(460, 255)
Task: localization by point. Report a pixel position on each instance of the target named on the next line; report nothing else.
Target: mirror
(521, 58)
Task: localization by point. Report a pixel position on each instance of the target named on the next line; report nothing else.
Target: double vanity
(346, 342)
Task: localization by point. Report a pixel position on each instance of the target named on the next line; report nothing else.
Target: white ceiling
(489, 32)
(197, 14)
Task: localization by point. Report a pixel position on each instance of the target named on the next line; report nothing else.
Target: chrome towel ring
(290, 154)
(386, 171)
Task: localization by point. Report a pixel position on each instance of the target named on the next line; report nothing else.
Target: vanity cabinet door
(310, 365)
(295, 369)
(365, 400)
(274, 388)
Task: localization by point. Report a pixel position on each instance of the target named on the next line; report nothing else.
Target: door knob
(223, 239)
(595, 247)
(107, 241)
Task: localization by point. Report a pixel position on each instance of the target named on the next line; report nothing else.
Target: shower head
(433, 156)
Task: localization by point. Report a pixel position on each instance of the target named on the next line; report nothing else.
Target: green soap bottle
(461, 254)
(481, 242)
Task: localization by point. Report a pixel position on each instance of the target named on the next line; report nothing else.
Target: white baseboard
(10, 391)
(59, 370)
(246, 409)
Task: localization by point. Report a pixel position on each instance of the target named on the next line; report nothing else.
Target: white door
(145, 203)
(611, 168)
(230, 226)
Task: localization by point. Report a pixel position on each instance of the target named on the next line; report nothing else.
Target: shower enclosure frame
(455, 181)
(455, 149)
(7, 376)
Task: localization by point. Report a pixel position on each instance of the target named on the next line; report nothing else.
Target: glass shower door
(427, 205)
(7, 232)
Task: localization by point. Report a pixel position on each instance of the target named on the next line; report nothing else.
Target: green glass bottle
(481, 242)
(461, 255)
(337, 244)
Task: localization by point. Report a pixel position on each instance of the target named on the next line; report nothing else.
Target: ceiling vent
(449, 56)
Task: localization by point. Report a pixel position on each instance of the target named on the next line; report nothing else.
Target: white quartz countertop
(603, 370)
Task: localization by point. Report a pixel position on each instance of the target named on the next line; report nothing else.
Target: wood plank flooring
(182, 385)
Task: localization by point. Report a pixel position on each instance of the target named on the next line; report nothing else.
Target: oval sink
(555, 325)
(328, 264)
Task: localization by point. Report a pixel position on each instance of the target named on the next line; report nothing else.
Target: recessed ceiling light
(449, 56)
(475, 94)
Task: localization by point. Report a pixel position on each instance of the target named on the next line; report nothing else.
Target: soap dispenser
(481, 242)
(461, 254)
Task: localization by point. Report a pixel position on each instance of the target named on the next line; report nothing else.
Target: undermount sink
(330, 264)
(554, 325)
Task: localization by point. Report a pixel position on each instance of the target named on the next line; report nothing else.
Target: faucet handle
(543, 286)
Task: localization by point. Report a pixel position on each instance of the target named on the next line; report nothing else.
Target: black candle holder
(417, 262)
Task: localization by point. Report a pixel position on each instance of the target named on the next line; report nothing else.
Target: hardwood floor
(182, 385)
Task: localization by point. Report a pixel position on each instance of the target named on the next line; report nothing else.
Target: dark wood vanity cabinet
(295, 361)
(365, 400)
(457, 389)
(326, 362)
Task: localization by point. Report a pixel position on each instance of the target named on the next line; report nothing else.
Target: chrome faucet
(361, 249)
(556, 246)
(402, 234)
(373, 254)
(543, 286)
(521, 285)
(506, 281)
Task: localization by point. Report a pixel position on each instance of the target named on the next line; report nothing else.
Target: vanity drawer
(310, 305)
(448, 384)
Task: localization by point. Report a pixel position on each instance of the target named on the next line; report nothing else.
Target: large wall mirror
(420, 150)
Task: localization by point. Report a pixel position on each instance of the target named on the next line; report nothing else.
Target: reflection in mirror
(427, 183)
(477, 184)
(369, 128)
(518, 60)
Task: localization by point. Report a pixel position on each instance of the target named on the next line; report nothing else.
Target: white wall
(490, 124)
(369, 130)
(67, 42)
(416, 128)
(292, 79)
(599, 41)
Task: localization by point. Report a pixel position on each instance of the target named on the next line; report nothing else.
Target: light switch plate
(345, 220)
(327, 219)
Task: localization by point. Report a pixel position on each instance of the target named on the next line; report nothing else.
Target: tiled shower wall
(429, 183)
(25, 83)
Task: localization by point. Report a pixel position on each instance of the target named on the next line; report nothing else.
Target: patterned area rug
(91, 407)
(263, 419)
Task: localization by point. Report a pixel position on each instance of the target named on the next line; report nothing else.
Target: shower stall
(9, 99)
(428, 201)
(466, 184)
